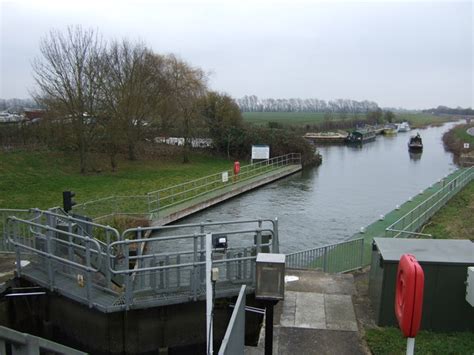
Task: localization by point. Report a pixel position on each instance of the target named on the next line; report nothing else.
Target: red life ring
(236, 167)
(409, 295)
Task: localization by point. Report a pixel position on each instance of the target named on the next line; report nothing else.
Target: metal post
(89, 279)
(128, 291)
(139, 261)
(325, 259)
(108, 275)
(269, 327)
(410, 346)
(194, 277)
(17, 249)
(209, 294)
(49, 262)
(276, 241)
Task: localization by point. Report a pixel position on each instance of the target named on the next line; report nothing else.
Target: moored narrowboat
(360, 136)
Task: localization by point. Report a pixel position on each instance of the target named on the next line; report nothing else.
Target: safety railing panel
(333, 258)
(234, 338)
(60, 252)
(170, 263)
(414, 220)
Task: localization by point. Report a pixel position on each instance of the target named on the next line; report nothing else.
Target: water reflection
(415, 155)
(348, 191)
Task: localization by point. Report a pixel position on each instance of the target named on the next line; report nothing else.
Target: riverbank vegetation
(455, 139)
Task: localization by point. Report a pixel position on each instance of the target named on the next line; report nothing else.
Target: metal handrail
(86, 239)
(446, 191)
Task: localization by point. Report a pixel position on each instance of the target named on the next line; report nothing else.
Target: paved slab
(316, 317)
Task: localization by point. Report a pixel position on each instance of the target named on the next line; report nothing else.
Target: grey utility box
(444, 264)
(270, 276)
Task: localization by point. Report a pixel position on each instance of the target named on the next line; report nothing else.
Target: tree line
(253, 104)
(450, 111)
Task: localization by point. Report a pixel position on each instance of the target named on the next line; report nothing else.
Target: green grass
(417, 120)
(284, 118)
(420, 120)
(37, 179)
(460, 133)
(391, 341)
(455, 220)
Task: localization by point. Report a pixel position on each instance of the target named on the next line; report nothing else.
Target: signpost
(409, 298)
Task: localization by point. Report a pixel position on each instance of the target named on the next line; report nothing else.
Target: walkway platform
(316, 317)
(200, 203)
(377, 229)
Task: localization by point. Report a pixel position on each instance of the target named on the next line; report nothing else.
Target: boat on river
(326, 137)
(390, 129)
(360, 136)
(404, 127)
(415, 143)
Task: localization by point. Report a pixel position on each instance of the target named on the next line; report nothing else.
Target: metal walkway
(144, 267)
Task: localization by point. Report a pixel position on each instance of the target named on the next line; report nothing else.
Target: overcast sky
(414, 54)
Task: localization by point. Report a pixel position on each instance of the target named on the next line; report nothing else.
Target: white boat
(404, 127)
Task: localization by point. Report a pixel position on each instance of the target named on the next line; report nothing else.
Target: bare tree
(68, 76)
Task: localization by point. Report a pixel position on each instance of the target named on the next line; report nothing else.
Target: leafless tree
(68, 75)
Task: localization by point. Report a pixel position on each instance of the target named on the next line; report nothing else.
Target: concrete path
(316, 317)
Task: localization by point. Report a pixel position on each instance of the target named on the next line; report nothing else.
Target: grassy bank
(455, 220)
(454, 140)
(301, 119)
(37, 179)
(391, 341)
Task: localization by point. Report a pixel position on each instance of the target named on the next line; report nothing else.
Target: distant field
(417, 120)
(262, 118)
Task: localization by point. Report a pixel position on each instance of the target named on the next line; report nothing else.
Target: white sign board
(225, 176)
(466, 145)
(260, 152)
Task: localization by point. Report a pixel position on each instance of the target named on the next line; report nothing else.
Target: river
(351, 189)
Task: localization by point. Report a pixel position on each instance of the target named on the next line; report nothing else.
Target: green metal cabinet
(444, 263)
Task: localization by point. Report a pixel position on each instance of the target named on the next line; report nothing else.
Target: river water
(351, 189)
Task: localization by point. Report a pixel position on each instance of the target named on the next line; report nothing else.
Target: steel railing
(150, 204)
(132, 270)
(333, 258)
(175, 264)
(23, 343)
(413, 221)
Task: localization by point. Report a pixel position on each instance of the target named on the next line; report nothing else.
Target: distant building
(34, 115)
(179, 141)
